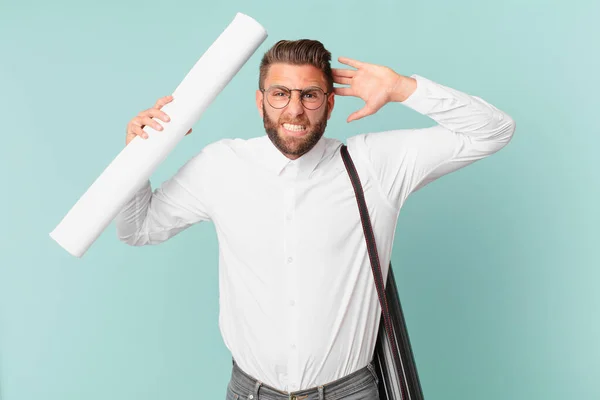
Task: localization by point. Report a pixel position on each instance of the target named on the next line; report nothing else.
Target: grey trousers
(359, 385)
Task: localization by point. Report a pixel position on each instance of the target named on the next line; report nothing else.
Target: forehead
(294, 76)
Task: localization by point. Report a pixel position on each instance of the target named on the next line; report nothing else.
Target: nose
(295, 106)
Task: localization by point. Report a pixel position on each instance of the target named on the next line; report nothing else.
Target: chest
(257, 215)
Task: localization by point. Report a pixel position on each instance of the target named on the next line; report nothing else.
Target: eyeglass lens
(279, 97)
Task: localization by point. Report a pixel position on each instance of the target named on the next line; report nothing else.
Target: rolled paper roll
(134, 165)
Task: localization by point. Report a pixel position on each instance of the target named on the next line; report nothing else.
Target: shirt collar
(276, 161)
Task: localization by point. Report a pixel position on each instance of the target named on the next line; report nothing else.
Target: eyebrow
(306, 88)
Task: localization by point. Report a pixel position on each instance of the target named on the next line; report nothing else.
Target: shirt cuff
(419, 94)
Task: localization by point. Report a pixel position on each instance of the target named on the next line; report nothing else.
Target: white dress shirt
(298, 303)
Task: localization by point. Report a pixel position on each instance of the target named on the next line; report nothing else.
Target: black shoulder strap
(406, 372)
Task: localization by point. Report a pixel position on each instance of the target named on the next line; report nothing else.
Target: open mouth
(294, 129)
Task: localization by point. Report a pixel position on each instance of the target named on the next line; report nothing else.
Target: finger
(342, 81)
(351, 62)
(140, 132)
(136, 128)
(158, 114)
(345, 91)
(363, 112)
(152, 123)
(136, 122)
(162, 101)
(343, 72)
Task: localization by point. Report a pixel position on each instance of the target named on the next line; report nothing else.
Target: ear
(331, 103)
(259, 102)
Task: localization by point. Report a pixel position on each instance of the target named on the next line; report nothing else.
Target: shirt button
(292, 302)
(290, 259)
(251, 397)
(293, 346)
(289, 217)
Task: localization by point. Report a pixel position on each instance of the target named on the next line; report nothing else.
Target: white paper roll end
(250, 21)
(69, 247)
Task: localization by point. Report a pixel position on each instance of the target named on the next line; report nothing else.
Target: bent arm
(152, 217)
(468, 129)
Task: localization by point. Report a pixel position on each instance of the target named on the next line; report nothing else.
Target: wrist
(403, 88)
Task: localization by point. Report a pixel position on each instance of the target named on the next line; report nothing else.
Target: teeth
(291, 127)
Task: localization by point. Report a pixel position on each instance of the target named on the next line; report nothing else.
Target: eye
(313, 95)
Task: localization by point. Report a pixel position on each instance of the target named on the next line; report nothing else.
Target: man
(298, 306)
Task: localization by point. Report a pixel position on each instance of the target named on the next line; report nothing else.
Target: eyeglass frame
(263, 90)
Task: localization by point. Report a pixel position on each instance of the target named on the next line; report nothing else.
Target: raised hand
(371, 82)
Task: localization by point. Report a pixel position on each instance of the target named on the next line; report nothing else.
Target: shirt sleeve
(468, 129)
(151, 217)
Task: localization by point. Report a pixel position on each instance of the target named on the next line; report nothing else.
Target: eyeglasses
(279, 96)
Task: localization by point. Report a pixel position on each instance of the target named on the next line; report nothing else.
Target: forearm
(457, 111)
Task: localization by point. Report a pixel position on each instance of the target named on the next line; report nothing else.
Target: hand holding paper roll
(94, 211)
(136, 125)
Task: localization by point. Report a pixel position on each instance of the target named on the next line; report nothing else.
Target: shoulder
(224, 154)
(224, 148)
(392, 142)
(237, 145)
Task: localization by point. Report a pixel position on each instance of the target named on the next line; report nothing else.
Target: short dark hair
(298, 52)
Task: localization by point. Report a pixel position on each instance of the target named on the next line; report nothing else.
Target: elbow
(505, 130)
(511, 126)
(499, 131)
(143, 237)
(133, 239)
(129, 231)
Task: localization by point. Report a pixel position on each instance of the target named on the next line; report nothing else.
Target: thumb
(363, 112)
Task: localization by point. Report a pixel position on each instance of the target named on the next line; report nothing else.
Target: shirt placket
(290, 264)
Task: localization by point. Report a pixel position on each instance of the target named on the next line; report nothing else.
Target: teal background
(497, 264)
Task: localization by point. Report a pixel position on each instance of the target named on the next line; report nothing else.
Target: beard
(295, 146)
